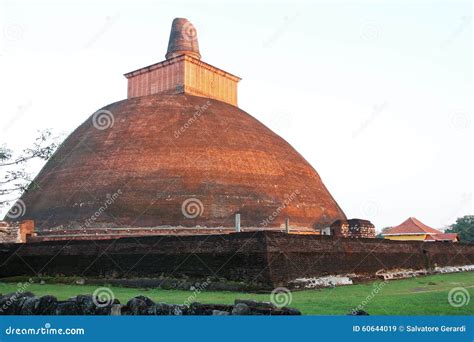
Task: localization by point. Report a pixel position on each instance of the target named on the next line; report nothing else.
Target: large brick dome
(140, 161)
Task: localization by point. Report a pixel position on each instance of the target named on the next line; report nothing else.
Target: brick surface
(165, 149)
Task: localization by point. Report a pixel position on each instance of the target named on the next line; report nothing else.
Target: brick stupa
(178, 137)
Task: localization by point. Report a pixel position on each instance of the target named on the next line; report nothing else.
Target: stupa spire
(183, 39)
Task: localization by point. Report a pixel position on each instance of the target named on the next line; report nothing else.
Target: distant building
(353, 228)
(413, 229)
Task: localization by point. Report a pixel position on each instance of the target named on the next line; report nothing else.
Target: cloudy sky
(377, 96)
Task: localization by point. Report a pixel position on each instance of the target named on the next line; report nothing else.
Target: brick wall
(264, 259)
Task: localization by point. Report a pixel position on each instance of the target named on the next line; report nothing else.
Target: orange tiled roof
(412, 226)
(442, 237)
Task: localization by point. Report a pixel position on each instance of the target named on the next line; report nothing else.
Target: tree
(383, 231)
(14, 179)
(464, 227)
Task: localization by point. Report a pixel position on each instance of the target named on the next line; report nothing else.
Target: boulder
(11, 303)
(220, 313)
(199, 309)
(29, 306)
(46, 305)
(139, 305)
(291, 312)
(240, 309)
(116, 310)
(358, 313)
(67, 308)
(162, 309)
(85, 304)
(254, 304)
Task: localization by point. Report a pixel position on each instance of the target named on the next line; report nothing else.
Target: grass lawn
(416, 296)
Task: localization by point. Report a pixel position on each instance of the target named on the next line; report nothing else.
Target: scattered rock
(220, 313)
(358, 313)
(139, 305)
(68, 308)
(116, 310)
(240, 309)
(46, 305)
(85, 305)
(28, 304)
(163, 309)
(206, 309)
(254, 304)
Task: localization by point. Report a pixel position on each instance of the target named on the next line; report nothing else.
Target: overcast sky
(377, 96)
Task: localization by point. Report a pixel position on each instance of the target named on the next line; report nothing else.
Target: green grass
(416, 296)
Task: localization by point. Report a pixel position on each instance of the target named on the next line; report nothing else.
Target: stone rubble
(348, 279)
(320, 282)
(27, 303)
